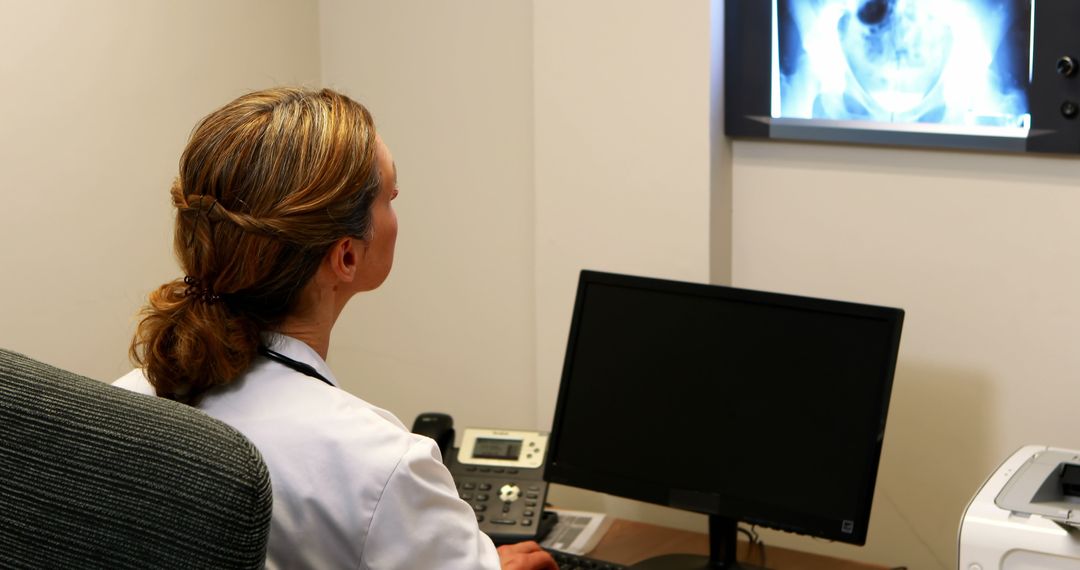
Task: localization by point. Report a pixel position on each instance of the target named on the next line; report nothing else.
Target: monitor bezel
(771, 516)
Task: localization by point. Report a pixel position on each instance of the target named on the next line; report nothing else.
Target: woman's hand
(525, 556)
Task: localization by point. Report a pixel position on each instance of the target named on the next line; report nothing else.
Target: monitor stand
(723, 539)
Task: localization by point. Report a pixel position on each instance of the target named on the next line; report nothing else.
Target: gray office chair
(93, 476)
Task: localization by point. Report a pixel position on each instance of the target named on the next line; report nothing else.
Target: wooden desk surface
(628, 542)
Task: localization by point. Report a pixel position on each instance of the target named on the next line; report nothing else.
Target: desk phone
(500, 473)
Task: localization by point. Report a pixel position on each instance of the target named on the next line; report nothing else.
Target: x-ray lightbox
(975, 74)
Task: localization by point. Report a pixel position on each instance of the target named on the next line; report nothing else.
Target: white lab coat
(352, 487)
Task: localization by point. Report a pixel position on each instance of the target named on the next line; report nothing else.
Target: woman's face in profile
(379, 248)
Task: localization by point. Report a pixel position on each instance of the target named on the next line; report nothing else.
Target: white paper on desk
(577, 532)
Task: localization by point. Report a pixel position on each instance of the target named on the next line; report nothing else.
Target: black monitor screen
(756, 406)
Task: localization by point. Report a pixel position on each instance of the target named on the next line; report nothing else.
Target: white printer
(1027, 514)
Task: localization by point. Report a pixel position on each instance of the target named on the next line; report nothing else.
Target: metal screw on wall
(1066, 66)
(1070, 109)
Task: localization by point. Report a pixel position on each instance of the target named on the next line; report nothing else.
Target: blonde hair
(267, 183)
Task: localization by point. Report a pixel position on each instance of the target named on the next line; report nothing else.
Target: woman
(283, 214)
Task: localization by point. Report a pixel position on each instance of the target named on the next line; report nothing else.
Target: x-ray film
(952, 65)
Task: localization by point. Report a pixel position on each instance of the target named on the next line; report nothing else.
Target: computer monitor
(744, 405)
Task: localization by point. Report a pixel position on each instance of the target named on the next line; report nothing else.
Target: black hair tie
(195, 288)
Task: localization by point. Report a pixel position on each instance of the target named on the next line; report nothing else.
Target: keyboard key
(573, 562)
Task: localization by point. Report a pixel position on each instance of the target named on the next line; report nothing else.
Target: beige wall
(450, 85)
(97, 102)
(622, 153)
(622, 168)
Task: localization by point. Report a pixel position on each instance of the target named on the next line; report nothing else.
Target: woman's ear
(344, 259)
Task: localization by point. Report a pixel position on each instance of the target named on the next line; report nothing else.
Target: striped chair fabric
(93, 476)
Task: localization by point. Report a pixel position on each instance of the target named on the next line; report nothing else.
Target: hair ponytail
(187, 342)
(267, 183)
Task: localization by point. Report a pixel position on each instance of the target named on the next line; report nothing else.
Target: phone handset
(500, 473)
(437, 426)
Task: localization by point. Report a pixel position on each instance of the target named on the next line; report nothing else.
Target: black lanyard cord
(305, 369)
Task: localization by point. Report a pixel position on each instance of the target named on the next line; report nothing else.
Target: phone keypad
(507, 501)
(510, 506)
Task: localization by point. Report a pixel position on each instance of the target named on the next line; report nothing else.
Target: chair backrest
(93, 476)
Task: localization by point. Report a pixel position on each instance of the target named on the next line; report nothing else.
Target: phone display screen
(492, 448)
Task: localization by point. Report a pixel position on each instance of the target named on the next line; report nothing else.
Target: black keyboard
(575, 562)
